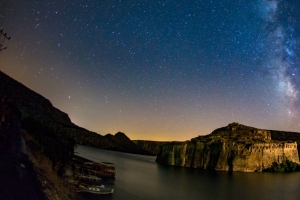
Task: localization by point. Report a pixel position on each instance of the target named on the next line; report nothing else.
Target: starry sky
(159, 70)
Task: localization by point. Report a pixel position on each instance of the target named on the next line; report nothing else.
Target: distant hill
(37, 110)
(122, 143)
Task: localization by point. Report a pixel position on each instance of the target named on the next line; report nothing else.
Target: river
(140, 177)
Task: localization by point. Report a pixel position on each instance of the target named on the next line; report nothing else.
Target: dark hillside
(37, 111)
(123, 143)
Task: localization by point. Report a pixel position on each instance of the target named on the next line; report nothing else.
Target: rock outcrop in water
(232, 148)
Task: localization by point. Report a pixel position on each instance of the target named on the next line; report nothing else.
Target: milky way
(159, 70)
(282, 58)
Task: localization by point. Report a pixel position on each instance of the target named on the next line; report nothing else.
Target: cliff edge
(235, 147)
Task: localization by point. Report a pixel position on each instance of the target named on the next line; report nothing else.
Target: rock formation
(151, 146)
(232, 148)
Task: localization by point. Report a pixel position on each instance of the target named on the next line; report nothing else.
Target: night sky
(159, 70)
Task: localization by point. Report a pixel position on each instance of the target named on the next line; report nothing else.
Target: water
(140, 177)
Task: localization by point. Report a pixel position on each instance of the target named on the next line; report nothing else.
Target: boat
(99, 169)
(93, 177)
(96, 189)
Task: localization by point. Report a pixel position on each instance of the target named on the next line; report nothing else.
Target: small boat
(102, 169)
(96, 189)
(93, 177)
(88, 178)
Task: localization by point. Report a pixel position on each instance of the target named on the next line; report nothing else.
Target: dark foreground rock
(18, 179)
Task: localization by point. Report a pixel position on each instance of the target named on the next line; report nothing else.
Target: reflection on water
(140, 177)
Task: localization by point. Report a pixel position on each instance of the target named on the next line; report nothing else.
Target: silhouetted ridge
(39, 110)
(124, 143)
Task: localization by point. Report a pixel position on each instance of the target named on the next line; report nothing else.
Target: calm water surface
(140, 177)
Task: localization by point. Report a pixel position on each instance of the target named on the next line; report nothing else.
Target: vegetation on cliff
(285, 166)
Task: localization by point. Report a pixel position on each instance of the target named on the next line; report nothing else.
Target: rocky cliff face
(151, 146)
(232, 148)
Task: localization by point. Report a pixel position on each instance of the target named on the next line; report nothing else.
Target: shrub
(285, 166)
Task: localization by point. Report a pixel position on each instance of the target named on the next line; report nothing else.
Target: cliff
(37, 111)
(232, 148)
(150, 146)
